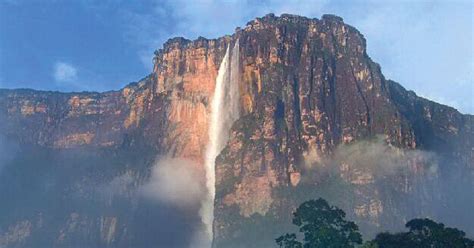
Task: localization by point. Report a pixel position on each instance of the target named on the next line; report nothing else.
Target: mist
(126, 198)
(421, 183)
(169, 199)
(175, 181)
(383, 159)
(8, 150)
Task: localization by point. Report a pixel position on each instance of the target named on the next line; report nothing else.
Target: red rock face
(307, 89)
(185, 76)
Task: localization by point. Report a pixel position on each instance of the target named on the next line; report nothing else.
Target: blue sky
(427, 46)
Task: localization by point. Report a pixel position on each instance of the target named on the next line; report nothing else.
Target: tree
(425, 233)
(289, 240)
(323, 226)
(369, 244)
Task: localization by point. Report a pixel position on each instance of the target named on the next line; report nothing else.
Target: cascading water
(224, 112)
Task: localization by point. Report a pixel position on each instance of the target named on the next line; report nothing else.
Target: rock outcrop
(314, 107)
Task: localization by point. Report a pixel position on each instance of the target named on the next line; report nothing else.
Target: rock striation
(318, 118)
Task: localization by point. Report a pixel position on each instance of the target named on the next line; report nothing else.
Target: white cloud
(175, 181)
(64, 72)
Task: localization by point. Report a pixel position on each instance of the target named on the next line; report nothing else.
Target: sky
(90, 45)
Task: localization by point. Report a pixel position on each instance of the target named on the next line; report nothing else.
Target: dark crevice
(336, 114)
(296, 100)
(311, 82)
(359, 90)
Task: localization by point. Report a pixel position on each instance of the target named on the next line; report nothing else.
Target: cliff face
(318, 118)
(314, 94)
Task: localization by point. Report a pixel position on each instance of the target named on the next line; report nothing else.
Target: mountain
(316, 119)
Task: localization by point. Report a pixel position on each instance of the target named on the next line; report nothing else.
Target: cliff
(318, 118)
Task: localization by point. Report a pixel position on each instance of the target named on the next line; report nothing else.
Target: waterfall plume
(224, 111)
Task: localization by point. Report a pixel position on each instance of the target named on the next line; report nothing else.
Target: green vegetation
(424, 233)
(323, 225)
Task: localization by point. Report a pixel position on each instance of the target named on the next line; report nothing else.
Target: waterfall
(224, 112)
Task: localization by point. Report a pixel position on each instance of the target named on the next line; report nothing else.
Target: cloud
(172, 181)
(175, 181)
(179, 183)
(120, 186)
(64, 72)
(8, 150)
(425, 183)
(382, 159)
(374, 156)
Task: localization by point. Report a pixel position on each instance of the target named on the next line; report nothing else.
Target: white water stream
(224, 112)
